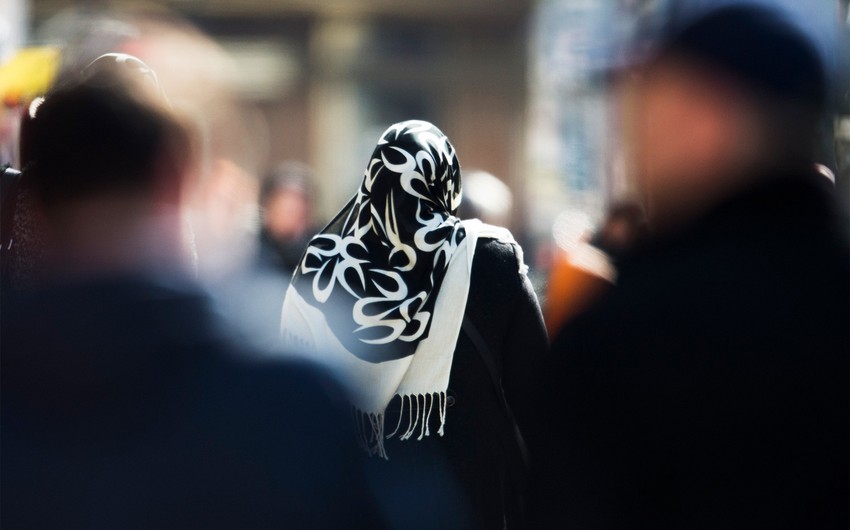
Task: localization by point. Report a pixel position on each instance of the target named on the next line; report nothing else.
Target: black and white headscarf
(380, 292)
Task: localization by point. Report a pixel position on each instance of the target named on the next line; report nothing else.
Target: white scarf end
(413, 421)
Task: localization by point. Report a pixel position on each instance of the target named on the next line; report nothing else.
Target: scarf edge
(370, 426)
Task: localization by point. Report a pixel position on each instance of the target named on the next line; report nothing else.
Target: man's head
(107, 133)
(105, 156)
(734, 94)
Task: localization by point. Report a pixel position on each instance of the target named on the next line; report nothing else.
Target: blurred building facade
(519, 86)
(328, 77)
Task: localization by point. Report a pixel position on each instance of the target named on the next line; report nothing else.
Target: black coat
(710, 388)
(125, 405)
(463, 479)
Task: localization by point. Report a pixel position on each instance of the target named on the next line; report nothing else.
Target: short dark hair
(101, 133)
(759, 47)
(288, 175)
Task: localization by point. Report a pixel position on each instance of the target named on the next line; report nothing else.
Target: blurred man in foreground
(710, 388)
(124, 403)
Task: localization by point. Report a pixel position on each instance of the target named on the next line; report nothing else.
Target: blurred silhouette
(26, 75)
(10, 181)
(586, 269)
(250, 296)
(433, 324)
(709, 389)
(233, 136)
(125, 403)
(231, 139)
(23, 253)
(286, 213)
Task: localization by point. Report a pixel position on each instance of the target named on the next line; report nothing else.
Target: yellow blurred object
(28, 74)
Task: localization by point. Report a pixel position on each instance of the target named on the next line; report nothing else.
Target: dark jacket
(710, 388)
(125, 405)
(464, 479)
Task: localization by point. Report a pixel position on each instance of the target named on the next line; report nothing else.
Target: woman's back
(477, 458)
(421, 314)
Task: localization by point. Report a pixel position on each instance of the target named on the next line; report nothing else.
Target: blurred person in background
(23, 253)
(710, 388)
(250, 296)
(435, 327)
(18, 235)
(586, 269)
(286, 216)
(125, 404)
(24, 76)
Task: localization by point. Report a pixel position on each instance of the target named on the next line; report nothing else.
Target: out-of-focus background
(521, 87)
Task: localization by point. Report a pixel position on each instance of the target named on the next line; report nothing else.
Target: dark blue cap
(756, 46)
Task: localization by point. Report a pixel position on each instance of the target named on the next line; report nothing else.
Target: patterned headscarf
(381, 292)
(374, 271)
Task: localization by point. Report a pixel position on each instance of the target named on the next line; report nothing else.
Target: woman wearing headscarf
(433, 325)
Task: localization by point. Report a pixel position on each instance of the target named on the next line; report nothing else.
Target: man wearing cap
(710, 388)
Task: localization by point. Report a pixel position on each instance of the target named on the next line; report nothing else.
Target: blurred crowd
(189, 340)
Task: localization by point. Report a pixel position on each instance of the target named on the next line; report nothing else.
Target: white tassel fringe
(370, 426)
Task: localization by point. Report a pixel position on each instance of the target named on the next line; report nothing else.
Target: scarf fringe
(296, 343)
(418, 407)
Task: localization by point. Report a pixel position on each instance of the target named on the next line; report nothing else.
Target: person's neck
(677, 212)
(109, 235)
